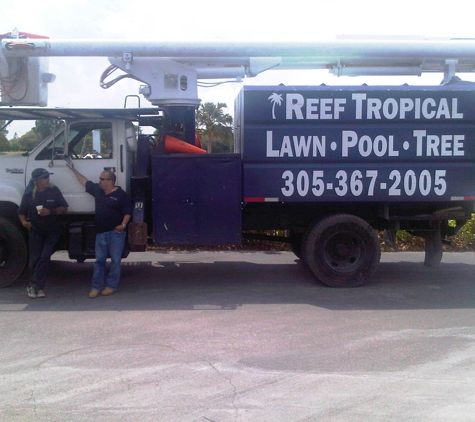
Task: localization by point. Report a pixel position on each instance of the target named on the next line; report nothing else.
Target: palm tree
(275, 99)
(214, 126)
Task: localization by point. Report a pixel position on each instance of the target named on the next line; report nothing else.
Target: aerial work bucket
(175, 145)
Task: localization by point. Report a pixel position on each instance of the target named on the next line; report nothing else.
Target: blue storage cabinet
(196, 199)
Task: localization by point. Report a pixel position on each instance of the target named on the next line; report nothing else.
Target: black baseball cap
(39, 173)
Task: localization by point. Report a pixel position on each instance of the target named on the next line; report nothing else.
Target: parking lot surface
(241, 336)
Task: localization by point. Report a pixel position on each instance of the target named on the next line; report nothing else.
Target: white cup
(39, 208)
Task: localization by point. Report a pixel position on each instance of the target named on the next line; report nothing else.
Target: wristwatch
(124, 225)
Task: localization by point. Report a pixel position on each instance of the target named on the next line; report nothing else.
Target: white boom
(171, 70)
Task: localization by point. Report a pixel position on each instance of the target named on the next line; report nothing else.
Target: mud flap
(433, 248)
(390, 239)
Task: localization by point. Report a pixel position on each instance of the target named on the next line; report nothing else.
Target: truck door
(92, 148)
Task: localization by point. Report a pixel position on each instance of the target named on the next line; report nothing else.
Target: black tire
(342, 250)
(304, 243)
(13, 252)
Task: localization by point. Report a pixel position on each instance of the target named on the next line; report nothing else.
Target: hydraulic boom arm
(171, 70)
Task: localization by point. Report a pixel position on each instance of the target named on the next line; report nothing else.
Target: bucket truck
(329, 165)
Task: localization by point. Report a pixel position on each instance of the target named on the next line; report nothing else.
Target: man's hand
(78, 175)
(44, 211)
(69, 163)
(120, 228)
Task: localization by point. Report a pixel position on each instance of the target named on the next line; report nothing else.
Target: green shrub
(464, 240)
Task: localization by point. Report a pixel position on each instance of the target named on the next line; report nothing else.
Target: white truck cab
(95, 140)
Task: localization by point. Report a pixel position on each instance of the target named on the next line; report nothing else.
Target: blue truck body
(328, 167)
(352, 144)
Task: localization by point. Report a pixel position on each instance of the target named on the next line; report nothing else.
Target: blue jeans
(42, 247)
(108, 244)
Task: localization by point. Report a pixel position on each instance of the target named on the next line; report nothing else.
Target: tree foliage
(26, 142)
(4, 144)
(4, 131)
(215, 127)
(33, 137)
(43, 128)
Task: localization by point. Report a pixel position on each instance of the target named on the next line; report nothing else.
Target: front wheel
(342, 250)
(13, 252)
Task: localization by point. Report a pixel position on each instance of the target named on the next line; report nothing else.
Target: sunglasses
(102, 179)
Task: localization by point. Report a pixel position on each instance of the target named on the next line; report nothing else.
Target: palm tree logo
(275, 99)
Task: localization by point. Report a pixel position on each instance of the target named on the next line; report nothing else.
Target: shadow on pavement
(229, 285)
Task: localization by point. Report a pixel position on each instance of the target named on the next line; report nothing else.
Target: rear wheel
(342, 250)
(13, 252)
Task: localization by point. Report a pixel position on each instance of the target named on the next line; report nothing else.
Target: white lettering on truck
(379, 146)
(435, 145)
(296, 146)
(405, 108)
(314, 108)
(427, 145)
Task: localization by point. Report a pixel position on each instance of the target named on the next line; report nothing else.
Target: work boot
(94, 293)
(107, 292)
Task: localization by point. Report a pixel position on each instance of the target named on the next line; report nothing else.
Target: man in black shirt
(40, 206)
(113, 210)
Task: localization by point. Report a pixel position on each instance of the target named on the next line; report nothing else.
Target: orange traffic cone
(175, 145)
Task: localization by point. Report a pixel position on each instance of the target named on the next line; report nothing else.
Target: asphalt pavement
(241, 336)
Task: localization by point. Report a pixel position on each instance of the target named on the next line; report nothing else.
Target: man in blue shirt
(113, 209)
(40, 206)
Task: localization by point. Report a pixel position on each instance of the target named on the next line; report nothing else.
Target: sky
(77, 79)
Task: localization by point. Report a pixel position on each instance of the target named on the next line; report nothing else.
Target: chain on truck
(329, 166)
